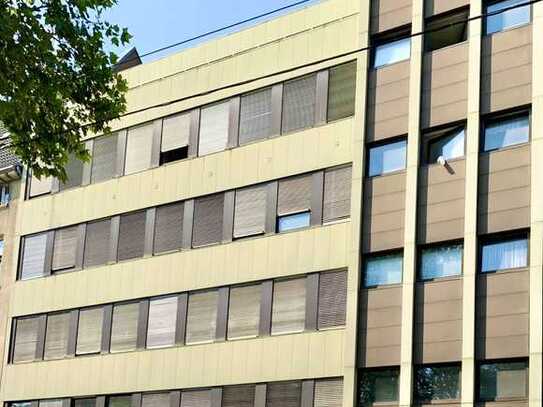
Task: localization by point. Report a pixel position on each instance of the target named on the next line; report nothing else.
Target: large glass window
(504, 254)
(387, 158)
(383, 270)
(512, 17)
(441, 261)
(448, 146)
(392, 52)
(437, 383)
(508, 380)
(507, 132)
(378, 386)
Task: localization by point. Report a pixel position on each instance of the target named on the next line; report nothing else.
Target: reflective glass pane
(392, 52)
(443, 261)
(292, 222)
(387, 158)
(449, 146)
(437, 383)
(507, 19)
(379, 386)
(383, 270)
(507, 133)
(503, 380)
(504, 255)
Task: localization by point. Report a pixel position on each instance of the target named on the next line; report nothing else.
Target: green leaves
(57, 85)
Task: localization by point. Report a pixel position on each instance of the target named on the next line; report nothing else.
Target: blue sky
(157, 23)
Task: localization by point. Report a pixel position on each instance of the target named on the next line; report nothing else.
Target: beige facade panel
(502, 315)
(384, 212)
(438, 321)
(387, 14)
(379, 327)
(441, 202)
(445, 85)
(506, 69)
(388, 101)
(504, 190)
(434, 7)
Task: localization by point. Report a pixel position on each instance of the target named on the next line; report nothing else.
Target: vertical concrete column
(470, 218)
(410, 236)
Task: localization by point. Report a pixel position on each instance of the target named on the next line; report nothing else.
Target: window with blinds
(328, 393)
(65, 248)
(341, 91)
(139, 146)
(74, 173)
(104, 158)
(169, 227)
(299, 100)
(119, 401)
(97, 243)
(155, 400)
(52, 403)
(337, 194)
(56, 336)
(175, 138)
(196, 398)
(33, 263)
(238, 396)
(26, 339)
(250, 211)
(294, 203)
(208, 220)
(288, 309)
(124, 327)
(255, 116)
(40, 186)
(332, 299)
(284, 394)
(202, 317)
(162, 322)
(214, 123)
(244, 312)
(89, 331)
(131, 236)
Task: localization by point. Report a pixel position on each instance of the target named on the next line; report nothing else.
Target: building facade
(336, 207)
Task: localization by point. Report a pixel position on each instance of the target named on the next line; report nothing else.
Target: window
(90, 402)
(383, 270)
(155, 400)
(56, 336)
(33, 263)
(378, 386)
(341, 91)
(449, 146)
(162, 322)
(337, 194)
(97, 243)
(299, 100)
(250, 211)
(104, 158)
(502, 381)
(510, 253)
(4, 194)
(288, 309)
(293, 222)
(255, 121)
(514, 16)
(328, 393)
(196, 398)
(139, 146)
(40, 186)
(202, 317)
(391, 52)
(124, 327)
(507, 132)
(119, 401)
(208, 220)
(26, 339)
(214, 123)
(74, 173)
(332, 299)
(238, 396)
(437, 383)
(284, 394)
(386, 158)
(175, 138)
(131, 236)
(294, 203)
(441, 261)
(52, 403)
(64, 248)
(89, 331)
(446, 31)
(1, 249)
(169, 227)
(244, 312)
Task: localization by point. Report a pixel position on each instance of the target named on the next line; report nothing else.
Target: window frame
(503, 116)
(395, 35)
(450, 18)
(489, 3)
(502, 237)
(380, 143)
(381, 369)
(432, 135)
(370, 256)
(437, 245)
(477, 379)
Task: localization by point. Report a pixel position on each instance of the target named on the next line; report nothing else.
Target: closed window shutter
(156, 400)
(175, 132)
(294, 195)
(56, 336)
(196, 398)
(34, 256)
(162, 322)
(89, 331)
(131, 236)
(328, 393)
(284, 394)
(341, 91)
(214, 122)
(74, 173)
(299, 99)
(250, 211)
(139, 145)
(337, 194)
(255, 116)
(202, 317)
(244, 312)
(169, 227)
(208, 220)
(119, 401)
(124, 327)
(40, 186)
(332, 299)
(97, 243)
(238, 396)
(104, 158)
(64, 248)
(288, 310)
(26, 339)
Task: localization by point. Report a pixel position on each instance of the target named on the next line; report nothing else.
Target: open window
(446, 30)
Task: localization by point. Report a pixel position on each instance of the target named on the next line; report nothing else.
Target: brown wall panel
(434, 7)
(388, 101)
(384, 212)
(502, 315)
(441, 202)
(387, 14)
(445, 85)
(506, 69)
(504, 190)
(380, 327)
(438, 321)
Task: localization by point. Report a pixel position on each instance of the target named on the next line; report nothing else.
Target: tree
(57, 82)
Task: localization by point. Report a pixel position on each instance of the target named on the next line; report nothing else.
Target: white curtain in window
(505, 255)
